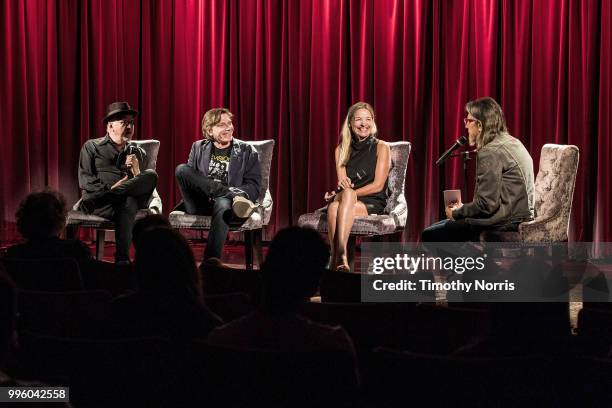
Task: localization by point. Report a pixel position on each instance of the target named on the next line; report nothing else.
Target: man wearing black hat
(110, 175)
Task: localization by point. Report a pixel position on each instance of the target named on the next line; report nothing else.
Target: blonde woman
(362, 166)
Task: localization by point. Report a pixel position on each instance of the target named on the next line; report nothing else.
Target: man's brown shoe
(243, 207)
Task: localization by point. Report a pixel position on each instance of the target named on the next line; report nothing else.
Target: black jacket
(101, 165)
(244, 170)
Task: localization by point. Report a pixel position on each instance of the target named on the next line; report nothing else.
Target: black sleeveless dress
(361, 168)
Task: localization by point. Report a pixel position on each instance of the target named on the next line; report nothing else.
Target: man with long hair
(504, 195)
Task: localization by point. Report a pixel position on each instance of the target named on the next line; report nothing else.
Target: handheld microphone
(131, 149)
(359, 174)
(458, 143)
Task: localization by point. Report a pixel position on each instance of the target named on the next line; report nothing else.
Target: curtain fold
(289, 70)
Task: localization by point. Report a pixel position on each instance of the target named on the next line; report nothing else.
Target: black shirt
(101, 165)
(219, 164)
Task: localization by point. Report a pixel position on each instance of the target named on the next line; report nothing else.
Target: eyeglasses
(125, 123)
(469, 120)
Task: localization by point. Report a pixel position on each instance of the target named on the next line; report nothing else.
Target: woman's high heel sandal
(342, 268)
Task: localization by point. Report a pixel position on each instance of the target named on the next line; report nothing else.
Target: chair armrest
(76, 205)
(549, 229)
(267, 202)
(155, 203)
(400, 211)
(265, 208)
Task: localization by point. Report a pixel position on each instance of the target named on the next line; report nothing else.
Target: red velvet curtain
(289, 70)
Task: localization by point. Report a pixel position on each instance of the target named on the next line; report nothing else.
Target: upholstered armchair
(77, 219)
(252, 228)
(396, 212)
(554, 192)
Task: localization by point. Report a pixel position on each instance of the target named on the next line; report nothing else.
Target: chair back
(554, 192)
(150, 146)
(54, 274)
(396, 204)
(265, 150)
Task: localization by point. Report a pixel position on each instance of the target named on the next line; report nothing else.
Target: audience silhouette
(291, 272)
(168, 301)
(41, 218)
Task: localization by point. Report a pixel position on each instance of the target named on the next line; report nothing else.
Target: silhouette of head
(41, 215)
(148, 223)
(165, 263)
(296, 260)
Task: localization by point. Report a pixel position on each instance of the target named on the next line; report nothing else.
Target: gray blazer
(504, 185)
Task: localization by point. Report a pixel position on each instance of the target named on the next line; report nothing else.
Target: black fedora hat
(118, 108)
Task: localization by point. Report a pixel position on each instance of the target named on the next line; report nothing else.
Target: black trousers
(121, 205)
(450, 231)
(459, 231)
(204, 196)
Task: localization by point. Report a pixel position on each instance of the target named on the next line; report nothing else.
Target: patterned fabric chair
(77, 219)
(554, 192)
(396, 212)
(253, 227)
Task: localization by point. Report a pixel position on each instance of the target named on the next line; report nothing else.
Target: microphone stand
(466, 157)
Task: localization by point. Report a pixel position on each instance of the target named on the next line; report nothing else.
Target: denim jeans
(204, 196)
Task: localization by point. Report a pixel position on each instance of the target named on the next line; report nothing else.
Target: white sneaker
(243, 207)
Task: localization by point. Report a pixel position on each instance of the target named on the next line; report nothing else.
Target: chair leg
(257, 245)
(350, 247)
(71, 231)
(248, 249)
(100, 238)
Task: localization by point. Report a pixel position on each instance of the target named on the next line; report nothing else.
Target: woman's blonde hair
(488, 112)
(211, 118)
(346, 134)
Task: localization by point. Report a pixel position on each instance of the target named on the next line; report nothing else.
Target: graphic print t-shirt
(219, 164)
